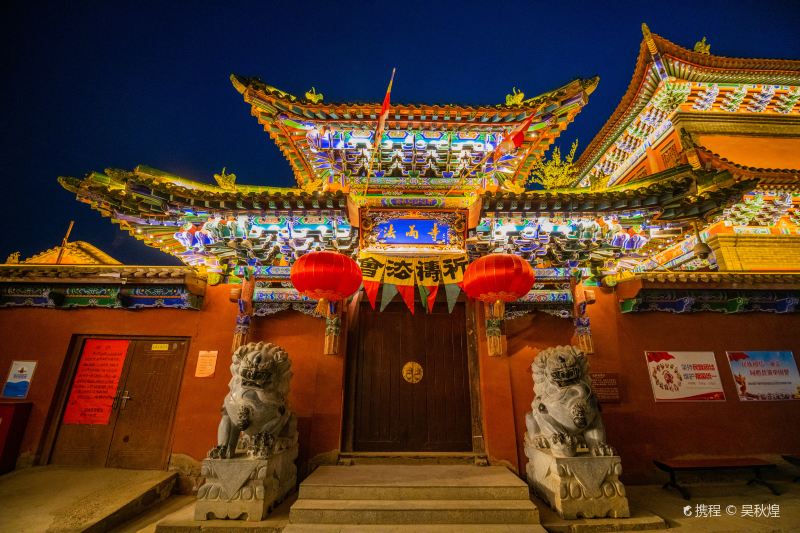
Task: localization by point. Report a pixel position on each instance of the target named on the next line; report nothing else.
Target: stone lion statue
(257, 403)
(564, 412)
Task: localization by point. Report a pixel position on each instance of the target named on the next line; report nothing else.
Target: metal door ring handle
(125, 399)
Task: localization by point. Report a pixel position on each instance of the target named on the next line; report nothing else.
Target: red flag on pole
(384, 113)
(513, 140)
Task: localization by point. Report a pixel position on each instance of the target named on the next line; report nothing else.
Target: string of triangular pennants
(404, 275)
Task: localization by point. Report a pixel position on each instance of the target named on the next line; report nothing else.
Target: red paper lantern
(326, 276)
(497, 279)
(494, 277)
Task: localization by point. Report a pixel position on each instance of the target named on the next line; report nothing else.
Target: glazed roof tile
(712, 279)
(103, 274)
(81, 251)
(675, 194)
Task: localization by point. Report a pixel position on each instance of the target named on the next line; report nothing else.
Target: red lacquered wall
(45, 335)
(638, 427)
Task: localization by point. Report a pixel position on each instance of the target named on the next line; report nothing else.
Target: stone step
(413, 512)
(334, 492)
(411, 482)
(412, 458)
(414, 528)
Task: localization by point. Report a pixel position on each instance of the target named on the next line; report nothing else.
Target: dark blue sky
(91, 85)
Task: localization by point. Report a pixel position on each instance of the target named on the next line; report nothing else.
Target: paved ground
(180, 510)
(643, 499)
(177, 505)
(731, 498)
(60, 499)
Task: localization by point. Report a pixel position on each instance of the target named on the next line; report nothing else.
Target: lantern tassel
(498, 309)
(583, 334)
(323, 309)
(333, 328)
(494, 336)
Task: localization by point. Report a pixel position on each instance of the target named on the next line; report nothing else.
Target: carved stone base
(578, 487)
(245, 488)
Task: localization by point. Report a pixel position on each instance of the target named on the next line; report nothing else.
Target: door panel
(87, 427)
(141, 435)
(134, 430)
(393, 414)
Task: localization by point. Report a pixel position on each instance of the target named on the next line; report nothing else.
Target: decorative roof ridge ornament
(654, 53)
(648, 39)
(226, 181)
(243, 83)
(702, 47)
(515, 98)
(314, 97)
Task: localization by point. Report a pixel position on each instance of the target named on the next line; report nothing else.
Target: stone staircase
(405, 498)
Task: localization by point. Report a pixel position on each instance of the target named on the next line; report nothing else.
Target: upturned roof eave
(557, 108)
(243, 84)
(637, 95)
(172, 184)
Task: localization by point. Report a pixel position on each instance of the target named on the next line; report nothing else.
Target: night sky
(91, 85)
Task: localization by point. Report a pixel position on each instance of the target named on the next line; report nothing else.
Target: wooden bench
(793, 459)
(673, 466)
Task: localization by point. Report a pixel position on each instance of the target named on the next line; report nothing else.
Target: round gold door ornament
(412, 372)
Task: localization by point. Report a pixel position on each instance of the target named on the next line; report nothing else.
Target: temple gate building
(676, 231)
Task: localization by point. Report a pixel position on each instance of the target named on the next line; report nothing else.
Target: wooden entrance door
(400, 406)
(121, 403)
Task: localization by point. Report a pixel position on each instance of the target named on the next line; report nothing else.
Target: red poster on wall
(96, 381)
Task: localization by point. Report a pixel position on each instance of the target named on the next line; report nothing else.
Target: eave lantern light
(328, 277)
(496, 279)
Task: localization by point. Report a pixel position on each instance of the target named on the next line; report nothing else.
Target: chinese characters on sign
(206, 364)
(425, 271)
(412, 231)
(92, 395)
(429, 272)
(605, 386)
(765, 375)
(372, 267)
(400, 271)
(453, 269)
(684, 376)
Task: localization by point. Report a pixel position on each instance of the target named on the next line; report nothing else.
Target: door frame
(351, 375)
(67, 376)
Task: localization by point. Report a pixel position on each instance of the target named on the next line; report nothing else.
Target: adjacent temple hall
(457, 249)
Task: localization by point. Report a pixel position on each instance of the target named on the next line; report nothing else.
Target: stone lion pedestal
(563, 422)
(580, 486)
(252, 467)
(245, 488)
